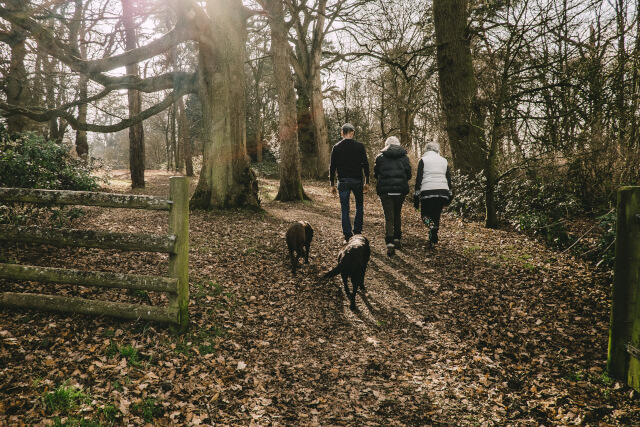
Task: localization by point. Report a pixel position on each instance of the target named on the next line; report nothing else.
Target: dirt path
(488, 328)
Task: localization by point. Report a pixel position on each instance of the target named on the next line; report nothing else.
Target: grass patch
(206, 288)
(131, 354)
(63, 399)
(203, 342)
(109, 414)
(575, 376)
(471, 250)
(148, 410)
(126, 351)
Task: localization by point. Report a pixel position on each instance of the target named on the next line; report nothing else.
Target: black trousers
(432, 208)
(392, 208)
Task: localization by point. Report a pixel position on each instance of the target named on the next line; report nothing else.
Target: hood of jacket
(393, 150)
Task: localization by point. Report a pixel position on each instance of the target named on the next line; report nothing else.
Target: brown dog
(298, 238)
(352, 263)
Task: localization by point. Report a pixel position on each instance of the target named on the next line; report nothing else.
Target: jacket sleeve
(407, 167)
(332, 167)
(376, 167)
(449, 178)
(419, 173)
(365, 164)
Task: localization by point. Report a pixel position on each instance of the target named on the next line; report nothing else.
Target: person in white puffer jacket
(433, 188)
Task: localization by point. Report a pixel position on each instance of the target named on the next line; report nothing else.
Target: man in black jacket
(349, 160)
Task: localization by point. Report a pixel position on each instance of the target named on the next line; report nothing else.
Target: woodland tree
(290, 173)
(226, 179)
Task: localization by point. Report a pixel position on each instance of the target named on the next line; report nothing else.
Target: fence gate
(176, 244)
(624, 335)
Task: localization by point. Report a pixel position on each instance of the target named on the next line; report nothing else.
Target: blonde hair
(391, 140)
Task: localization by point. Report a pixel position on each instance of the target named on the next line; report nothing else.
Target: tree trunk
(16, 86)
(321, 134)
(258, 137)
(290, 181)
(406, 126)
(226, 180)
(167, 140)
(48, 67)
(306, 137)
(136, 131)
(173, 132)
(82, 146)
(183, 139)
(620, 73)
(320, 131)
(634, 136)
(457, 84)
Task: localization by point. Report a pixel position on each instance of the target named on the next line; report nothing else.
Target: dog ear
(308, 231)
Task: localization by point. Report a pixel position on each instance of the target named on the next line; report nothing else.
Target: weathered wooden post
(179, 261)
(624, 336)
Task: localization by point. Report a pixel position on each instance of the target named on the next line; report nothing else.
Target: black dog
(352, 262)
(299, 237)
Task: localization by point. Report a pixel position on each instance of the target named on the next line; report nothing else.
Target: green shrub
(469, 201)
(530, 205)
(30, 161)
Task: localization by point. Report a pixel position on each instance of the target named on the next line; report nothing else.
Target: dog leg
(361, 282)
(345, 280)
(294, 261)
(352, 306)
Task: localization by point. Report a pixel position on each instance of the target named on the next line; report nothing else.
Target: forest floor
(488, 327)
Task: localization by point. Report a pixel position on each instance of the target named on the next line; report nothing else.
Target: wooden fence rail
(176, 244)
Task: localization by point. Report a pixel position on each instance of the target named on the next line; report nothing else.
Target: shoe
(391, 250)
(433, 235)
(397, 244)
(346, 239)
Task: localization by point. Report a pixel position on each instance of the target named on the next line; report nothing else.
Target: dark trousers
(392, 208)
(432, 208)
(345, 187)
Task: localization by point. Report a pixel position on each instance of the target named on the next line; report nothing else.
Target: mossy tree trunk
(226, 179)
(16, 85)
(457, 84)
(320, 131)
(290, 180)
(136, 131)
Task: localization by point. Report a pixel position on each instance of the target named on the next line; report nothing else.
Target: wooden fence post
(179, 261)
(624, 334)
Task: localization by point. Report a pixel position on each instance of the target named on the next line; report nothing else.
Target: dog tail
(333, 272)
(338, 269)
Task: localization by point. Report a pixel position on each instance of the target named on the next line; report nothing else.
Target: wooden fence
(624, 335)
(176, 244)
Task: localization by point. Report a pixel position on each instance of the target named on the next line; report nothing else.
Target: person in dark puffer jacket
(393, 171)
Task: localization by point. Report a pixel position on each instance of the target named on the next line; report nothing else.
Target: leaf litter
(487, 328)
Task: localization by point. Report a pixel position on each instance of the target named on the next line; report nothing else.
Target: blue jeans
(345, 187)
